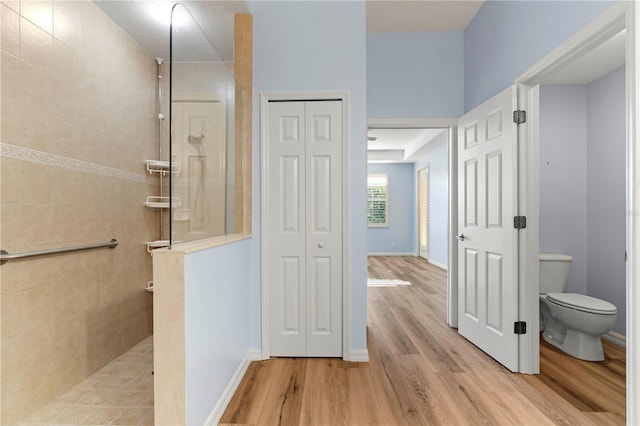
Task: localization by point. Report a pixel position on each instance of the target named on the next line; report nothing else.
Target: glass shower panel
(202, 135)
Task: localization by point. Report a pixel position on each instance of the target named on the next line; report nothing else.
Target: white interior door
(304, 207)
(487, 240)
(423, 212)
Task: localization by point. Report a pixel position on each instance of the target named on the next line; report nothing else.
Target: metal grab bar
(5, 257)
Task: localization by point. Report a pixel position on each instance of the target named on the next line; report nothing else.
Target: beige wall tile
(12, 321)
(80, 88)
(10, 188)
(67, 24)
(36, 91)
(35, 183)
(10, 220)
(12, 401)
(11, 359)
(66, 74)
(10, 118)
(39, 13)
(68, 218)
(46, 270)
(68, 336)
(66, 371)
(12, 4)
(37, 382)
(10, 276)
(10, 32)
(40, 229)
(36, 304)
(11, 76)
(36, 43)
(113, 344)
(66, 305)
(37, 349)
(37, 129)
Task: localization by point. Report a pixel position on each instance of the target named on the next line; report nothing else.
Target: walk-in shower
(78, 106)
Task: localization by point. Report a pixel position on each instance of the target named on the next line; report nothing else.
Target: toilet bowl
(571, 322)
(575, 322)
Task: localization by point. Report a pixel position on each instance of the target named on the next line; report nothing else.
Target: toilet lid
(580, 302)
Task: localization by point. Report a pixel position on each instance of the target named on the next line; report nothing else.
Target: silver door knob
(460, 237)
(320, 245)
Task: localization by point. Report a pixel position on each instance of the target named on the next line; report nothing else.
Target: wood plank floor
(421, 372)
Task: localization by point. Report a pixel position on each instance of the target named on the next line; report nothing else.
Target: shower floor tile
(121, 393)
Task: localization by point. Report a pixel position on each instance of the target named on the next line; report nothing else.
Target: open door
(487, 239)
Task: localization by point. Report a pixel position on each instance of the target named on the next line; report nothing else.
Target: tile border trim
(42, 157)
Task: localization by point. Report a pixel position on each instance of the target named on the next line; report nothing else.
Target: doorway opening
(402, 148)
(598, 162)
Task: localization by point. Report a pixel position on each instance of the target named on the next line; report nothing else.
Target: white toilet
(572, 322)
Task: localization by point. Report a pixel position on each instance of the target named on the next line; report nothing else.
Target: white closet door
(287, 229)
(487, 203)
(304, 204)
(324, 228)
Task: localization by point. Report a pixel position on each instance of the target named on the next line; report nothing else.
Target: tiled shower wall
(78, 108)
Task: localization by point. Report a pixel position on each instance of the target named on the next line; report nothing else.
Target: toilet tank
(554, 272)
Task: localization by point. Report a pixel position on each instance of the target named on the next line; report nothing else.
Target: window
(378, 200)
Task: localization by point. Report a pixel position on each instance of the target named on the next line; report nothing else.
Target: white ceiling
(147, 22)
(398, 138)
(607, 57)
(398, 145)
(401, 16)
(139, 19)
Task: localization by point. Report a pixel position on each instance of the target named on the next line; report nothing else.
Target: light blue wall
(606, 198)
(437, 158)
(402, 223)
(415, 75)
(563, 177)
(304, 46)
(507, 37)
(216, 323)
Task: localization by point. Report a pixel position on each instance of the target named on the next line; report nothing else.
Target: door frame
(620, 15)
(265, 98)
(418, 210)
(451, 124)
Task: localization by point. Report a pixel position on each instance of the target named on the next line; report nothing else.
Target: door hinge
(519, 222)
(519, 116)
(520, 327)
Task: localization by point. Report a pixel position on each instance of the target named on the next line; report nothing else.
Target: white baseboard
(225, 398)
(392, 253)
(616, 339)
(438, 264)
(359, 355)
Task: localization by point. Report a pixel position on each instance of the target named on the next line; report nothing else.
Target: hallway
(422, 372)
